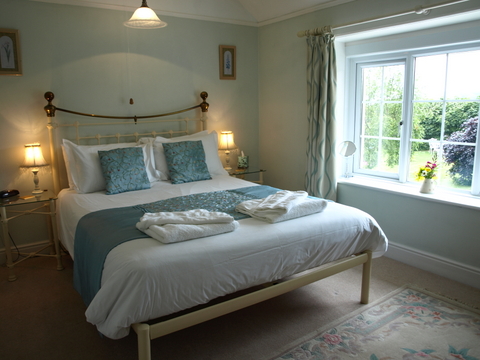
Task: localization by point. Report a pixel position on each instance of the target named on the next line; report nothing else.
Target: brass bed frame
(147, 332)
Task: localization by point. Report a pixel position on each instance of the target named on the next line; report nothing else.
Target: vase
(428, 186)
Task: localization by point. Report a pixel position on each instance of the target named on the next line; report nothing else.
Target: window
(418, 108)
(381, 107)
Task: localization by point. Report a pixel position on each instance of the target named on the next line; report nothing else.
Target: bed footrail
(146, 332)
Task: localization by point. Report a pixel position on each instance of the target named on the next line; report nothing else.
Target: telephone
(8, 193)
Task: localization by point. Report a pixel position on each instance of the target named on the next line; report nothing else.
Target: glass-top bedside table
(240, 173)
(46, 202)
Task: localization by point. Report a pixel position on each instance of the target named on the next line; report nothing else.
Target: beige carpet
(42, 317)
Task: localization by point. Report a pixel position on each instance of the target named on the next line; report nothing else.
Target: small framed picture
(228, 62)
(10, 58)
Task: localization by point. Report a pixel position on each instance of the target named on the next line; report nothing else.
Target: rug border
(362, 309)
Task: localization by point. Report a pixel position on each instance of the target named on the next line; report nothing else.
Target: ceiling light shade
(144, 18)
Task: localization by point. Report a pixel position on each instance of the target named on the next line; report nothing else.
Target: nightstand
(45, 206)
(240, 173)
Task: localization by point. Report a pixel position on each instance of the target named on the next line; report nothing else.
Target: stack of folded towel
(281, 206)
(171, 227)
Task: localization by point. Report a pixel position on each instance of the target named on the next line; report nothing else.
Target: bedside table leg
(55, 235)
(6, 242)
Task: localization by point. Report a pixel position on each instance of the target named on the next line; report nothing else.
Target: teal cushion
(186, 161)
(124, 170)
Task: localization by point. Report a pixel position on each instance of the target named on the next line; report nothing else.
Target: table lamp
(226, 143)
(34, 160)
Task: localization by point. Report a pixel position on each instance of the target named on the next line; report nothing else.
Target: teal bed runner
(99, 232)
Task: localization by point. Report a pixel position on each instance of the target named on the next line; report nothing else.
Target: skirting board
(464, 274)
(27, 248)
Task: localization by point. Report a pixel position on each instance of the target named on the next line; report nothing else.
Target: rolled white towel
(193, 217)
(172, 233)
(281, 206)
(171, 227)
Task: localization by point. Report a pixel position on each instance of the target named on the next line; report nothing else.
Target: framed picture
(228, 62)
(10, 58)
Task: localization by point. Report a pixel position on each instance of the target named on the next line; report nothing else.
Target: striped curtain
(320, 179)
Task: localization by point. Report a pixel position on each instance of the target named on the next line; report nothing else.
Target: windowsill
(412, 190)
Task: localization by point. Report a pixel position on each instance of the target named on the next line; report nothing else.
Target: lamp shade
(33, 156)
(145, 18)
(226, 141)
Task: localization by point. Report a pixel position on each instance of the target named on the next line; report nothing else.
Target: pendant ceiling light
(144, 18)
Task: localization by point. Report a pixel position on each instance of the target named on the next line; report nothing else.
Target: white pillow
(83, 163)
(210, 146)
(149, 158)
(68, 158)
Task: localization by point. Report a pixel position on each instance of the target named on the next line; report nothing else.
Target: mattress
(144, 279)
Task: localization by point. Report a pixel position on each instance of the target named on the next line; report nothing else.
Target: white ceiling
(242, 12)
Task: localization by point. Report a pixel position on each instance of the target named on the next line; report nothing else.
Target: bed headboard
(115, 129)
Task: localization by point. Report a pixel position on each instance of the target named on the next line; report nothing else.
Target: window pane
(419, 158)
(391, 155)
(459, 154)
(457, 113)
(371, 116)
(391, 120)
(430, 77)
(463, 77)
(393, 80)
(427, 120)
(382, 156)
(369, 154)
(372, 83)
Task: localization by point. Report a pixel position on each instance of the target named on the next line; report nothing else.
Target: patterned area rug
(406, 324)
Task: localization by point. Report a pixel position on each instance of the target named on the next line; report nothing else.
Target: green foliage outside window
(462, 157)
(428, 117)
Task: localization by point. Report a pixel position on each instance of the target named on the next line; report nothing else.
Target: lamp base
(227, 161)
(36, 190)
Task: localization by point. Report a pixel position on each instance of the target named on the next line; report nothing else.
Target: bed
(156, 288)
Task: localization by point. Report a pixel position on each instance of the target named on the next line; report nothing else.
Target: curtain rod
(419, 10)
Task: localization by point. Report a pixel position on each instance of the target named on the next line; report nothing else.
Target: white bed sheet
(144, 279)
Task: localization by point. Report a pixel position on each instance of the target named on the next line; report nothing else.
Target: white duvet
(144, 279)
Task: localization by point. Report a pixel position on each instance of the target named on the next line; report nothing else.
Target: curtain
(320, 179)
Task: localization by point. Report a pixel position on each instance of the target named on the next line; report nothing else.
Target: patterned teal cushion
(124, 170)
(186, 161)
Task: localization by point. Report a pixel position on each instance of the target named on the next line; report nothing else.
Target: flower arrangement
(428, 171)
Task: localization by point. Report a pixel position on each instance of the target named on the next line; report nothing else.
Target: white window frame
(353, 106)
(358, 112)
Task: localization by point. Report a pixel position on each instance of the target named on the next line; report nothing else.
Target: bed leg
(143, 339)
(366, 274)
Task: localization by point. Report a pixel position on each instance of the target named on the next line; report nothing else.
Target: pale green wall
(447, 231)
(94, 64)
